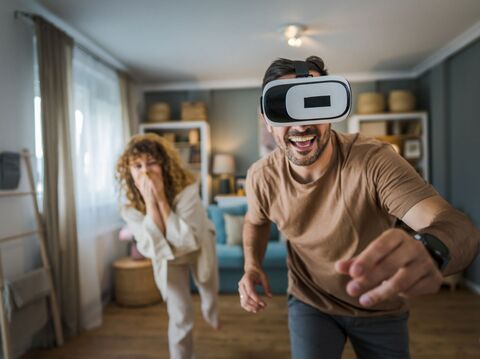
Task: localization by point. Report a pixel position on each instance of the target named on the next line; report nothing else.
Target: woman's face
(142, 165)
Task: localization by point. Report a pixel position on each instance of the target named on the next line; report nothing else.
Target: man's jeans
(314, 334)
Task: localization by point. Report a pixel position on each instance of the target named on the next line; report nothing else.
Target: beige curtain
(55, 71)
(129, 118)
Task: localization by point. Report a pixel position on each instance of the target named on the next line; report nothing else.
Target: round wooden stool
(134, 282)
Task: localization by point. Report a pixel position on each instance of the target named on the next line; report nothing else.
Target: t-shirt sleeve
(255, 199)
(395, 183)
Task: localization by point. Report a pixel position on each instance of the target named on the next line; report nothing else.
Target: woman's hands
(146, 188)
(152, 189)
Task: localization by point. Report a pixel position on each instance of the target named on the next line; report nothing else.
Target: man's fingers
(343, 266)
(375, 251)
(423, 286)
(247, 302)
(402, 281)
(401, 256)
(266, 286)
(249, 288)
(249, 305)
(249, 298)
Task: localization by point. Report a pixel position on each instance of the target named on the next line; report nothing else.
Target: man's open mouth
(302, 143)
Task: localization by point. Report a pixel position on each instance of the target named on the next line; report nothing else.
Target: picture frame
(412, 149)
(240, 185)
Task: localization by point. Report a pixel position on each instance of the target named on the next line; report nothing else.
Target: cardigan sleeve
(183, 225)
(150, 240)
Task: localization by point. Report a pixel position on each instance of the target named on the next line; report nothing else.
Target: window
(37, 101)
(97, 140)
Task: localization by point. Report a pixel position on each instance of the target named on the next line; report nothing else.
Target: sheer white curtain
(98, 139)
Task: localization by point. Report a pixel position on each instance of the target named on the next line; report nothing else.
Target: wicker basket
(159, 112)
(401, 101)
(370, 102)
(134, 283)
(194, 111)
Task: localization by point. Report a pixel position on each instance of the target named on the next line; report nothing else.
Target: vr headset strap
(301, 69)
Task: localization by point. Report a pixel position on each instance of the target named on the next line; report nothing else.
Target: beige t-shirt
(365, 187)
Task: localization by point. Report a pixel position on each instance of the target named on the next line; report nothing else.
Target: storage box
(370, 102)
(159, 112)
(194, 111)
(401, 101)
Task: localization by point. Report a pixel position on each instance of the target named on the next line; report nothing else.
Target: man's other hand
(249, 299)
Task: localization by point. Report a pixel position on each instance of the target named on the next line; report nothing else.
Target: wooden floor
(444, 325)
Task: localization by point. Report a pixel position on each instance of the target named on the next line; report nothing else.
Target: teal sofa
(231, 258)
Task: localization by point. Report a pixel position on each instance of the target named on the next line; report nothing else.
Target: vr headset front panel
(304, 101)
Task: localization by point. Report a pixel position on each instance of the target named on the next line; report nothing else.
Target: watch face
(436, 248)
(435, 244)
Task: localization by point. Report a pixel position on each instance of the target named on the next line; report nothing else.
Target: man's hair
(282, 67)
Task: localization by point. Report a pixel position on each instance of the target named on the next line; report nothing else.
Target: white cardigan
(190, 238)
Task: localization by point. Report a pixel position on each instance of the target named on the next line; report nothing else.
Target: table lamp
(224, 166)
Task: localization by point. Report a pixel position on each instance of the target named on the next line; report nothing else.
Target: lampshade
(223, 164)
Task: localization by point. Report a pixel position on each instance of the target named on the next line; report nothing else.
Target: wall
(16, 132)
(453, 87)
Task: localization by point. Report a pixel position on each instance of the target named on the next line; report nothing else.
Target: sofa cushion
(276, 255)
(229, 256)
(234, 229)
(216, 214)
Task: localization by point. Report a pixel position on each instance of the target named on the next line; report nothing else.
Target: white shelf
(423, 163)
(203, 166)
(230, 200)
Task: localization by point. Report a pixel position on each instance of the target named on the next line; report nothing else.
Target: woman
(164, 212)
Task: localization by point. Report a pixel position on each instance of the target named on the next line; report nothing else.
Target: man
(336, 197)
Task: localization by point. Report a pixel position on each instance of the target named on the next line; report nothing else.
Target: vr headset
(306, 100)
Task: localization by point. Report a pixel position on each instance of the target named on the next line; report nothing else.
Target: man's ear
(269, 128)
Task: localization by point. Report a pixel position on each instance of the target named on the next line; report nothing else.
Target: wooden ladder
(39, 233)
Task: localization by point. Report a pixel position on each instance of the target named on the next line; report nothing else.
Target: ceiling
(191, 41)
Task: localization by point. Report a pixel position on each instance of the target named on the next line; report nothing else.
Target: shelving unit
(407, 132)
(195, 154)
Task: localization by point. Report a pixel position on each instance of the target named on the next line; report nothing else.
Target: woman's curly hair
(175, 176)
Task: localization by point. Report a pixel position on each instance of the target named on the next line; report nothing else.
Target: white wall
(16, 131)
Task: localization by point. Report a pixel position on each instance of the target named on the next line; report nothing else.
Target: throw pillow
(234, 229)
(217, 215)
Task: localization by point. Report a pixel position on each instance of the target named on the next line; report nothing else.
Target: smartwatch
(436, 248)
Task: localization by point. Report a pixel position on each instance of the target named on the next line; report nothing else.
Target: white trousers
(180, 308)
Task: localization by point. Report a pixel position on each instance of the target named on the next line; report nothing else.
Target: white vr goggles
(306, 100)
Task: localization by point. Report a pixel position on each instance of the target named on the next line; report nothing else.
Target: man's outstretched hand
(393, 264)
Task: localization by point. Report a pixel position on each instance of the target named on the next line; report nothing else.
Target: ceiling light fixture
(292, 33)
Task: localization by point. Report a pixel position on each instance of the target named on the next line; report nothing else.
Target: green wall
(452, 90)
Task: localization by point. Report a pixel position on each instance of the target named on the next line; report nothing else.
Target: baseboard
(474, 287)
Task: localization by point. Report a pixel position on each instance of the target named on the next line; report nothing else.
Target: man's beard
(306, 158)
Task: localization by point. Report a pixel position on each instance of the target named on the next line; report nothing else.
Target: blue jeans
(314, 334)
